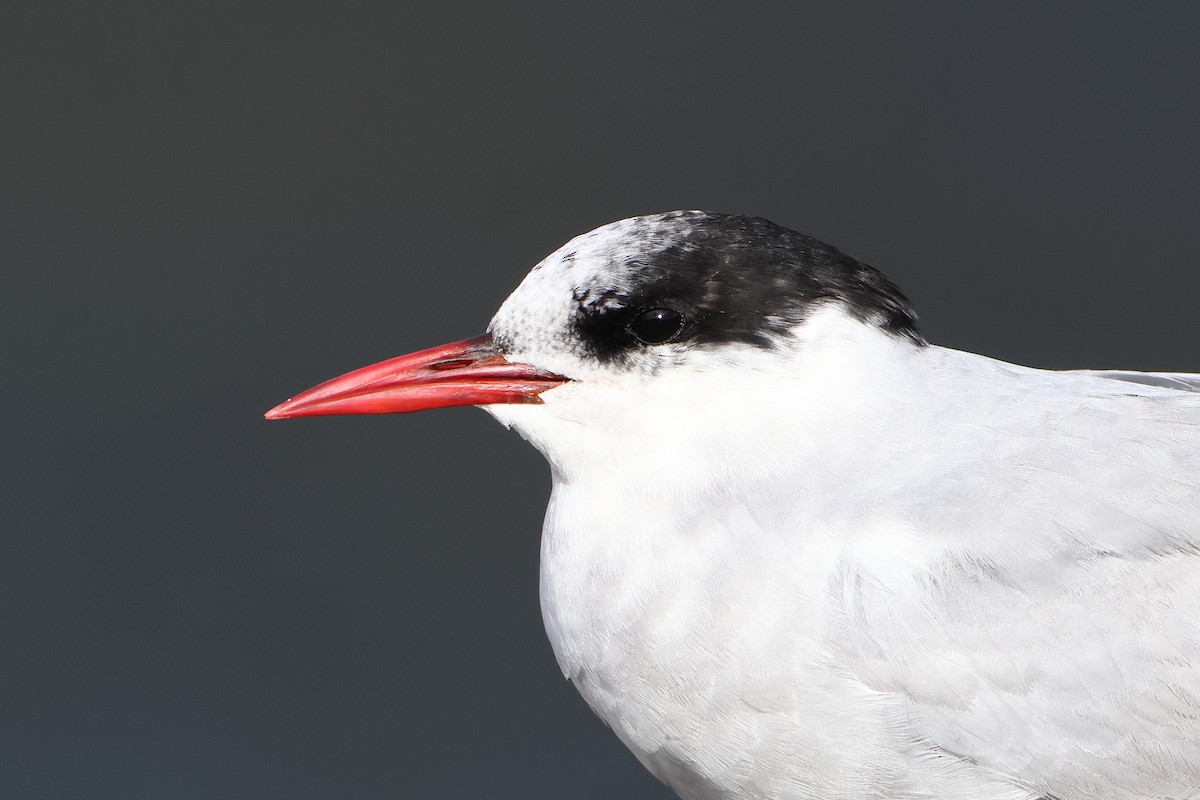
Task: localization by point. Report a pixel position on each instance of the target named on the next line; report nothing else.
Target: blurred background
(206, 207)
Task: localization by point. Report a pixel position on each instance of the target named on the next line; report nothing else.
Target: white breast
(715, 666)
(757, 601)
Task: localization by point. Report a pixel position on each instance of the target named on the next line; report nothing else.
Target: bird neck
(738, 417)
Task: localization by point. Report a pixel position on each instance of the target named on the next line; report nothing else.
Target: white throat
(662, 539)
(720, 415)
(644, 466)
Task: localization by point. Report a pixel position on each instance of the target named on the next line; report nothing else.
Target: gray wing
(1181, 381)
(1055, 633)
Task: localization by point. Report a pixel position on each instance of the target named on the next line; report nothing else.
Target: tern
(793, 550)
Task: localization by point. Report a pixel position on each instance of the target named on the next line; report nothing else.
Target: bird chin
(525, 419)
(504, 414)
(552, 426)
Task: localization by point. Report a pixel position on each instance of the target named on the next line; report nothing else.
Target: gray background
(205, 207)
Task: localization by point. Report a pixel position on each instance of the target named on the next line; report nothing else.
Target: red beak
(466, 373)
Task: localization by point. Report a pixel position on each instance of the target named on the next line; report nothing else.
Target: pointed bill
(467, 373)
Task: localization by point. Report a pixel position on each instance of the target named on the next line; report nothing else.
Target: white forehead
(536, 317)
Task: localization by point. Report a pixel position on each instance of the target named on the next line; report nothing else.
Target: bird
(795, 551)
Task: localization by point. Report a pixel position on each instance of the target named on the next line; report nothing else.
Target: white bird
(795, 551)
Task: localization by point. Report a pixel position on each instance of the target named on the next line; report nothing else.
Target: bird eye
(656, 325)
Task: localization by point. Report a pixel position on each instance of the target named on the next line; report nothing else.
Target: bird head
(645, 327)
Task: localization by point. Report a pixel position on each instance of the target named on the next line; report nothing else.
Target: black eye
(656, 325)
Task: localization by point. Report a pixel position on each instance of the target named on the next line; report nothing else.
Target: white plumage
(793, 552)
(851, 566)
